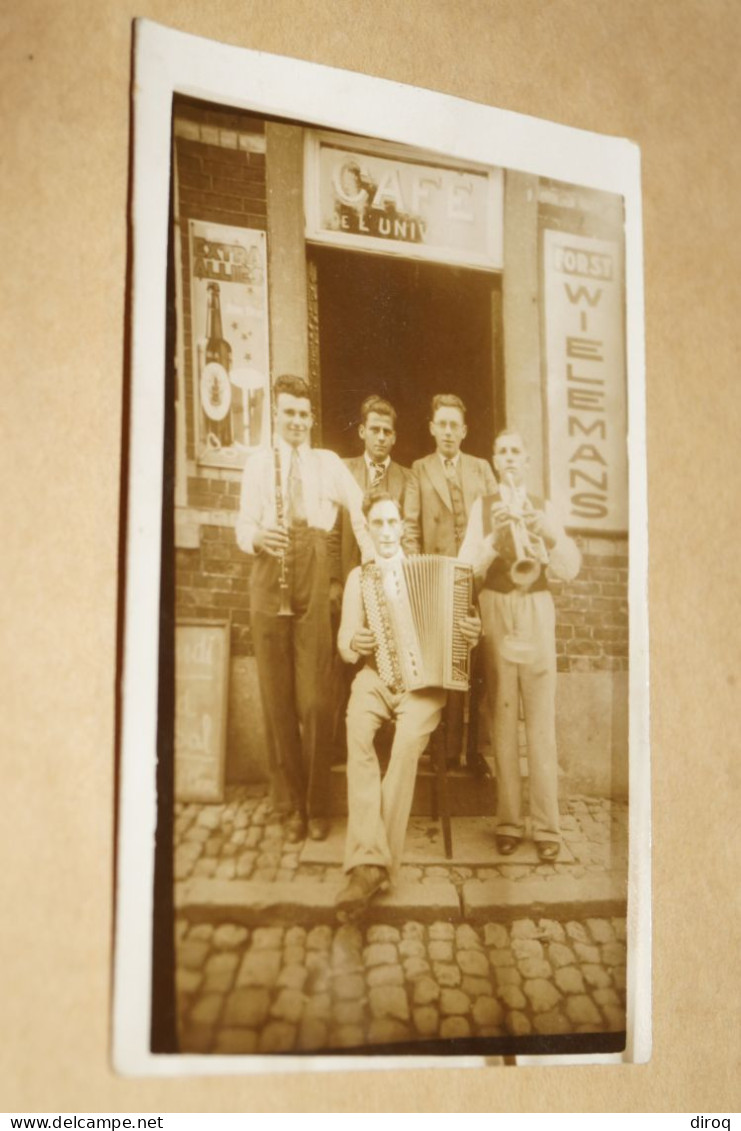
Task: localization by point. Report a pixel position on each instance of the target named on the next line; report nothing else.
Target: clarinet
(285, 609)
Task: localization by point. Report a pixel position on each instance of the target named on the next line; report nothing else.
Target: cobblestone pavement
(280, 989)
(312, 987)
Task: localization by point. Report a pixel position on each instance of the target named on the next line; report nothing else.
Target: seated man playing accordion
(378, 810)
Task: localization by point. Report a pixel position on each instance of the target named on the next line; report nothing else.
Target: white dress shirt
(353, 610)
(564, 558)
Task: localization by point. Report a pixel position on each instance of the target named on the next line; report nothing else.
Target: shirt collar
(286, 449)
(511, 494)
(455, 460)
(398, 556)
(370, 463)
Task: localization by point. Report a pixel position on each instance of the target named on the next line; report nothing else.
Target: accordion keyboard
(414, 606)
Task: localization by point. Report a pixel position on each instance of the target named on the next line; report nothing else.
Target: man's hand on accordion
(471, 629)
(363, 642)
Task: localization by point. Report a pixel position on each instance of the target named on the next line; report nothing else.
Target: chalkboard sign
(201, 686)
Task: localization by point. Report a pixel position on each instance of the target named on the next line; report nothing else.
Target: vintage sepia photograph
(384, 738)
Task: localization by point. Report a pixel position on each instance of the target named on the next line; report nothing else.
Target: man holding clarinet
(289, 503)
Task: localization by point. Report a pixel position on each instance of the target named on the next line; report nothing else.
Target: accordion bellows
(413, 606)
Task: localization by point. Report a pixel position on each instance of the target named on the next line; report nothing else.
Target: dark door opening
(405, 330)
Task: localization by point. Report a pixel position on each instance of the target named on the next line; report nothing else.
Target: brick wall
(592, 610)
(211, 493)
(220, 162)
(212, 582)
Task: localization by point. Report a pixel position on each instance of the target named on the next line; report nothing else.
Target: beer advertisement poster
(229, 341)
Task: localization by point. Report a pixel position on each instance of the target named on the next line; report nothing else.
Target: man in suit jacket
(441, 491)
(444, 486)
(374, 468)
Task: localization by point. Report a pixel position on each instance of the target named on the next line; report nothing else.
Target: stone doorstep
(253, 903)
(473, 843)
(561, 896)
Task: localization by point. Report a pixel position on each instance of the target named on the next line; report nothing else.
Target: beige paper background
(662, 72)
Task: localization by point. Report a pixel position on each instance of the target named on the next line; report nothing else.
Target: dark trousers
(457, 738)
(294, 656)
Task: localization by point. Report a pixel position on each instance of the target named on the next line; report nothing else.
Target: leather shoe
(548, 849)
(365, 881)
(507, 844)
(318, 828)
(294, 828)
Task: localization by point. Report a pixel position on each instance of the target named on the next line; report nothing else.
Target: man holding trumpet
(515, 543)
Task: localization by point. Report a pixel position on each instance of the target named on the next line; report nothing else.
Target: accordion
(413, 606)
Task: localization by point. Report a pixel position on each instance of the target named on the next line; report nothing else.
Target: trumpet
(525, 551)
(285, 609)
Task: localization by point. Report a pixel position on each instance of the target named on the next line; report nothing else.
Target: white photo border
(169, 62)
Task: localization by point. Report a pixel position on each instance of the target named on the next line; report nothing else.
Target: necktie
(296, 504)
(450, 469)
(377, 473)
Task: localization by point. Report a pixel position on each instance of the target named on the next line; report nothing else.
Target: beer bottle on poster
(216, 389)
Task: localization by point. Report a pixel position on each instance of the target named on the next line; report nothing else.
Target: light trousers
(378, 810)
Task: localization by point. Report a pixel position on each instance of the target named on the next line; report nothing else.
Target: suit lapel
(358, 469)
(469, 479)
(395, 478)
(475, 482)
(434, 467)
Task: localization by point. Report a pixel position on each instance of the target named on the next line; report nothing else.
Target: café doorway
(406, 329)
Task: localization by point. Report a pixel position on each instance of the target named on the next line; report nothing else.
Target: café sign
(391, 200)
